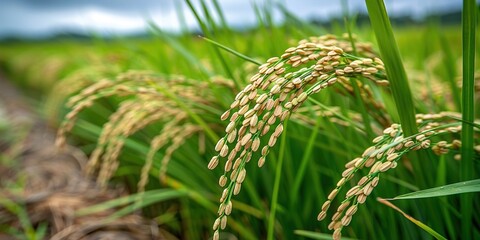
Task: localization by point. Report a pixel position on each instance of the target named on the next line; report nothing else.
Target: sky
(42, 18)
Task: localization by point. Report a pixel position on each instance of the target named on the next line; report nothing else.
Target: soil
(50, 184)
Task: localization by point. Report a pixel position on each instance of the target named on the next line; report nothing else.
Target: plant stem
(393, 64)
(276, 188)
(466, 173)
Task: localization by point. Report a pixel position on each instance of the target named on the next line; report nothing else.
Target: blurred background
(43, 19)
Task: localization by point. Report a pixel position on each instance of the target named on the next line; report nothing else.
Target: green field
(147, 111)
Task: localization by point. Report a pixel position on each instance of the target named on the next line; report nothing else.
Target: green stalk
(466, 173)
(213, 136)
(276, 188)
(232, 51)
(209, 31)
(300, 174)
(450, 68)
(223, 20)
(353, 82)
(181, 17)
(203, 26)
(393, 64)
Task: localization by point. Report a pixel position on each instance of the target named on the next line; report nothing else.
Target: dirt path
(55, 186)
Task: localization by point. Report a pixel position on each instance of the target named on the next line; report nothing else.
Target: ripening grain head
(383, 155)
(278, 89)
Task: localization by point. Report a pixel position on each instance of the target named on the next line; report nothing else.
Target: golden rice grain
(346, 220)
(213, 163)
(321, 215)
(351, 210)
(236, 189)
(332, 195)
(223, 222)
(220, 144)
(337, 234)
(224, 151)
(261, 161)
(222, 181)
(228, 208)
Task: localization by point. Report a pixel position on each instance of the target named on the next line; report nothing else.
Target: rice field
(292, 131)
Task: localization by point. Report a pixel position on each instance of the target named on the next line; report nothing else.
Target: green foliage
(450, 189)
(133, 202)
(329, 130)
(469, 17)
(420, 224)
(393, 63)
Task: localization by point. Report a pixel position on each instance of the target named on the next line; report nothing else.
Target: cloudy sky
(37, 18)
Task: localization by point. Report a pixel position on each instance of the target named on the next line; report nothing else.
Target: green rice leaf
(316, 235)
(393, 65)
(276, 187)
(146, 198)
(468, 110)
(451, 189)
(415, 221)
(232, 51)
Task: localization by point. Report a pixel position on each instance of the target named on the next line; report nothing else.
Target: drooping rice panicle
(387, 150)
(145, 105)
(279, 88)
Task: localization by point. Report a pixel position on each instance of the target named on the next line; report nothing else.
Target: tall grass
(468, 108)
(282, 200)
(393, 64)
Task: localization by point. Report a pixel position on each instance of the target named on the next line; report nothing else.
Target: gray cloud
(34, 17)
(123, 6)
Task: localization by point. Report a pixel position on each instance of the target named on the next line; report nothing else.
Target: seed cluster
(146, 105)
(77, 80)
(279, 88)
(387, 150)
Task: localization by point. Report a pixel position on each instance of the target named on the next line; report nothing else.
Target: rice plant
(279, 88)
(330, 121)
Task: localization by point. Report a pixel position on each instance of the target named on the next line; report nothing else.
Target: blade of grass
(148, 198)
(401, 182)
(20, 210)
(450, 68)
(306, 28)
(192, 114)
(299, 175)
(397, 77)
(276, 187)
(316, 235)
(415, 221)
(214, 31)
(441, 176)
(348, 24)
(204, 202)
(353, 81)
(203, 26)
(473, 124)
(271, 30)
(180, 49)
(232, 51)
(210, 31)
(181, 17)
(221, 15)
(393, 64)
(451, 189)
(339, 115)
(468, 110)
(209, 19)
